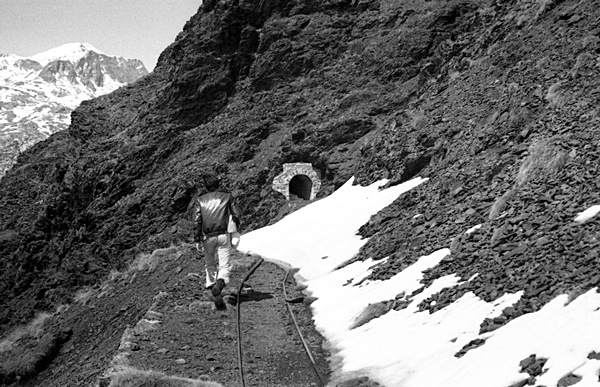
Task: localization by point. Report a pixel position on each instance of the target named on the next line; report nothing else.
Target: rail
(239, 331)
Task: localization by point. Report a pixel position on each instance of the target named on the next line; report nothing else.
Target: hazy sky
(138, 29)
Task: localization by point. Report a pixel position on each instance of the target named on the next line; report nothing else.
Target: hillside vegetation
(495, 101)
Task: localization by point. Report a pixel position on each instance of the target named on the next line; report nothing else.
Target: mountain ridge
(70, 52)
(37, 93)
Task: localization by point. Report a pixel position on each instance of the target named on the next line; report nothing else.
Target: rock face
(495, 101)
(37, 94)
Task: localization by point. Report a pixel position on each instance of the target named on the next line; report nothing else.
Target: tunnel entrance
(298, 181)
(301, 187)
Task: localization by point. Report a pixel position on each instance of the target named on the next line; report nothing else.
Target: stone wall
(281, 183)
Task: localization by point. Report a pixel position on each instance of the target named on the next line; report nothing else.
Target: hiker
(213, 213)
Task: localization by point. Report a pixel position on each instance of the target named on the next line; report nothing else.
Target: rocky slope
(495, 101)
(37, 94)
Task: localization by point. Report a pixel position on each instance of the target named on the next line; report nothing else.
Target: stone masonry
(306, 176)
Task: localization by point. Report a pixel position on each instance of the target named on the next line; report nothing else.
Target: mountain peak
(69, 52)
(38, 93)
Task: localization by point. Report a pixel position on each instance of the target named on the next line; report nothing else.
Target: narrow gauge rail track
(319, 377)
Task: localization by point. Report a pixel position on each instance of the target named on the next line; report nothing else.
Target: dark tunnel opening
(301, 187)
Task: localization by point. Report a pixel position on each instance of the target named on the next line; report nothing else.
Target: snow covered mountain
(38, 93)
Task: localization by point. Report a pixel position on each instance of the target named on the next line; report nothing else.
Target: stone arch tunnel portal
(298, 181)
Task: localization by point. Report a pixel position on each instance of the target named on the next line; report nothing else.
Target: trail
(192, 339)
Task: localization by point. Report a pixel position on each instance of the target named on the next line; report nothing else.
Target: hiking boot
(217, 287)
(216, 292)
(219, 303)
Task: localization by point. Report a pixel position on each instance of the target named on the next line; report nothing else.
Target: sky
(135, 29)
(408, 348)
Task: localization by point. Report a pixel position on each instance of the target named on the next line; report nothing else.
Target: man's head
(211, 182)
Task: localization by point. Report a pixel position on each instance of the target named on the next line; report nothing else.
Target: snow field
(409, 348)
(322, 235)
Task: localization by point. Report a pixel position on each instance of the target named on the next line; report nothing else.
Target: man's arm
(198, 235)
(236, 213)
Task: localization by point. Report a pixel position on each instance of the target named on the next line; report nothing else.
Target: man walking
(212, 213)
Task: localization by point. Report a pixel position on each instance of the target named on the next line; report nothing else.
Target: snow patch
(473, 229)
(587, 214)
(22, 112)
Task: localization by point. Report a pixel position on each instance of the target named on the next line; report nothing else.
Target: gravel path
(192, 339)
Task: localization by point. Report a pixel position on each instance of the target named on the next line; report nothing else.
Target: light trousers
(217, 253)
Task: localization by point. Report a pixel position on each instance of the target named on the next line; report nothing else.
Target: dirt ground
(193, 338)
(161, 318)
